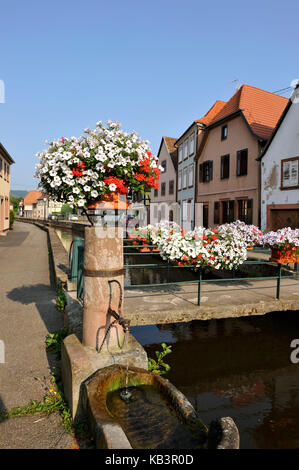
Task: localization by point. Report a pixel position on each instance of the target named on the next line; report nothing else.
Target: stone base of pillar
(79, 362)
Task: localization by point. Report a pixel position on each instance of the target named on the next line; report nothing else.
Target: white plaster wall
(284, 145)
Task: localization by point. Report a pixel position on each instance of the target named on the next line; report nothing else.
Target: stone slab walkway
(27, 314)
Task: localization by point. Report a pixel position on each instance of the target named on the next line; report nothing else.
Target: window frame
(180, 180)
(163, 188)
(286, 160)
(191, 139)
(238, 162)
(181, 153)
(191, 170)
(162, 164)
(169, 186)
(206, 171)
(185, 177)
(223, 133)
(223, 157)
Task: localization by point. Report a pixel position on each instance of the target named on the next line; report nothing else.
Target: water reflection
(239, 368)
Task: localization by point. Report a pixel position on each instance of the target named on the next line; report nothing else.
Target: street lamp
(45, 208)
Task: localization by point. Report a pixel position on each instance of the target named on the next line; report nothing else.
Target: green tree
(66, 210)
(15, 201)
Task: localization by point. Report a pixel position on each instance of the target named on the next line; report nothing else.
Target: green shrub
(12, 218)
(159, 366)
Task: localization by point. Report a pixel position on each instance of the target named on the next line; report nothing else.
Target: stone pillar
(103, 262)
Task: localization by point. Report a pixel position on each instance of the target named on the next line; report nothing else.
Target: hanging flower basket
(283, 257)
(82, 171)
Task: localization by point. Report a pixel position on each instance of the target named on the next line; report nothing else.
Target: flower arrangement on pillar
(101, 166)
(284, 244)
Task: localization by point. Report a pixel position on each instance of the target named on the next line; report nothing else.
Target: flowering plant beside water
(79, 171)
(285, 240)
(200, 247)
(251, 233)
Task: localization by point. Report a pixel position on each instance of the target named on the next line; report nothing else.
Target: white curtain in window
(180, 153)
(191, 144)
(185, 178)
(190, 179)
(180, 180)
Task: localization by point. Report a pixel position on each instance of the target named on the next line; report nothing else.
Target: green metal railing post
(167, 271)
(199, 287)
(78, 241)
(278, 282)
(80, 278)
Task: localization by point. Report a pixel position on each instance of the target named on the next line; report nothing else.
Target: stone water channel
(232, 367)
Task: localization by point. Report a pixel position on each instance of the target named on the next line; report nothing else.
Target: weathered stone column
(103, 262)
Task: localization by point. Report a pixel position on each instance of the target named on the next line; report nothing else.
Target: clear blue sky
(155, 66)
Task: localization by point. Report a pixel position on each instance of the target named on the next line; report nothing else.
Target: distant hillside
(18, 193)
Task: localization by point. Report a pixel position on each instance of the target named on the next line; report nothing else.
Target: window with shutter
(224, 167)
(206, 171)
(216, 213)
(171, 187)
(231, 211)
(201, 173)
(210, 170)
(245, 210)
(242, 158)
(249, 211)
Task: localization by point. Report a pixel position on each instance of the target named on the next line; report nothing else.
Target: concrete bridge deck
(178, 303)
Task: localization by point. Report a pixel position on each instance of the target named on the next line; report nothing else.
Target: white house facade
(280, 172)
(163, 200)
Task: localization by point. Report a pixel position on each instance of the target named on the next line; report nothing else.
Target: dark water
(148, 421)
(239, 368)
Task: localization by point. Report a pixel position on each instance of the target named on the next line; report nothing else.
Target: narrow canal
(239, 368)
(235, 367)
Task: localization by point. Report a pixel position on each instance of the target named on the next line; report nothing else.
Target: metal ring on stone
(103, 272)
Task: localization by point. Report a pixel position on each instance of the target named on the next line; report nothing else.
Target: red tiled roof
(170, 141)
(261, 109)
(213, 111)
(32, 197)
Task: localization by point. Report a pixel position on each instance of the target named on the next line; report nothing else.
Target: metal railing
(168, 266)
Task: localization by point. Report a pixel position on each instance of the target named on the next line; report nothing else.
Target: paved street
(27, 314)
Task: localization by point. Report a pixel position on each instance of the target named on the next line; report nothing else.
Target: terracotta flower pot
(111, 200)
(250, 248)
(279, 257)
(146, 249)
